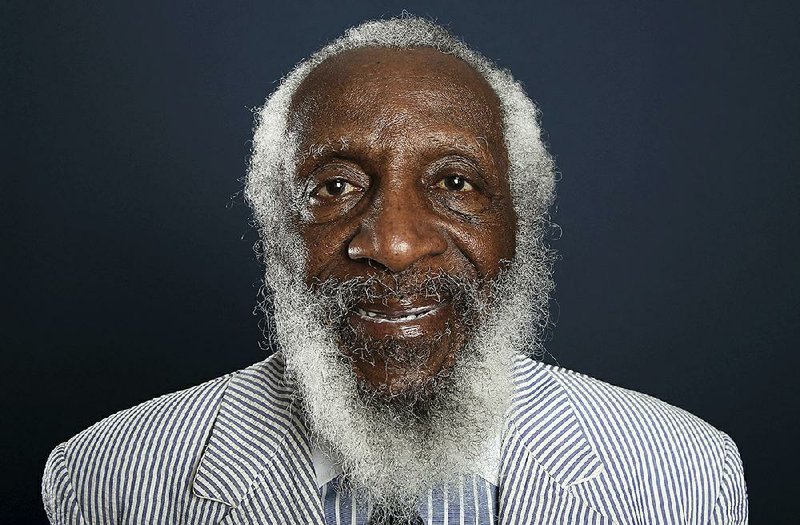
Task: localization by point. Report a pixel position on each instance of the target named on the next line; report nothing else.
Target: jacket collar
(258, 419)
(542, 422)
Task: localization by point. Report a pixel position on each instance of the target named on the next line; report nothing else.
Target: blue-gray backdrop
(127, 268)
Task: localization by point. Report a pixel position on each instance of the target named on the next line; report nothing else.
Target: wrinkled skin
(405, 170)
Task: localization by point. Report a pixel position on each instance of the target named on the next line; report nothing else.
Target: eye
(455, 183)
(334, 188)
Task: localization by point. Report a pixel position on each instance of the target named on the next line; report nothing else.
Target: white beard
(382, 457)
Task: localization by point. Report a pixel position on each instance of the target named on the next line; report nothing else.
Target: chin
(397, 369)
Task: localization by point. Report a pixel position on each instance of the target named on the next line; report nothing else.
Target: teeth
(383, 318)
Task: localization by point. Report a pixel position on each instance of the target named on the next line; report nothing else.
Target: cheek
(487, 244)
(326, 248)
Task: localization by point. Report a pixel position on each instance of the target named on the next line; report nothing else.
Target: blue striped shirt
(469, 501)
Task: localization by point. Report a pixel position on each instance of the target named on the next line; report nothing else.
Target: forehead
(369, 93)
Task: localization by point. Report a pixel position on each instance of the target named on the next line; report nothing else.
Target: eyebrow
(321, 149)
(476, 148)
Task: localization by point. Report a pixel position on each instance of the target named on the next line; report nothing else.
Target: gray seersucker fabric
(234, 450)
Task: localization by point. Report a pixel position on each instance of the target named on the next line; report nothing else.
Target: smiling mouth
(397, 317)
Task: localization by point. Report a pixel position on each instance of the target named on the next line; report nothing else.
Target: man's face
(406, 192)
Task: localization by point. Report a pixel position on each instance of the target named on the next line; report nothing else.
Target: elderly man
(400, 185)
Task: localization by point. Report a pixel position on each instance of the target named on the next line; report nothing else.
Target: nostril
(372, 263)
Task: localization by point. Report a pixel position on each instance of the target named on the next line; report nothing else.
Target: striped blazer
(234, 450)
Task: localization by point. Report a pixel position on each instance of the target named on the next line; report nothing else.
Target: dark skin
(405, 170)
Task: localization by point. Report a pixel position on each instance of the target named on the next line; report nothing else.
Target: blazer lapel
(285, 492)
(257, 459)
(545, 454)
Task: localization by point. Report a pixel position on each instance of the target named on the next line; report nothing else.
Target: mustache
(343, 295)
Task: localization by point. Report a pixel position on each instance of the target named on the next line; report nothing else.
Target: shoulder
(143, 448)
(185, 412)
(614, 417)
(647, 451)
(617, 417)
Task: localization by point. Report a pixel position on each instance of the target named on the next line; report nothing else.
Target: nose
(396, 233)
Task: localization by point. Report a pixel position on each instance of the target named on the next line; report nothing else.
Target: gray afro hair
(274, 196)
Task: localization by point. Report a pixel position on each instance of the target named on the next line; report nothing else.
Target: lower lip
(429, 323)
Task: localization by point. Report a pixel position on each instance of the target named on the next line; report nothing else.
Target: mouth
(401, 321)
(397, 316)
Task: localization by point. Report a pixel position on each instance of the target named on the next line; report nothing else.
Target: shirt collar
(326, 469)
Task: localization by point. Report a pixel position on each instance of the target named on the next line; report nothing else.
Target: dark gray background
(127, 267)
